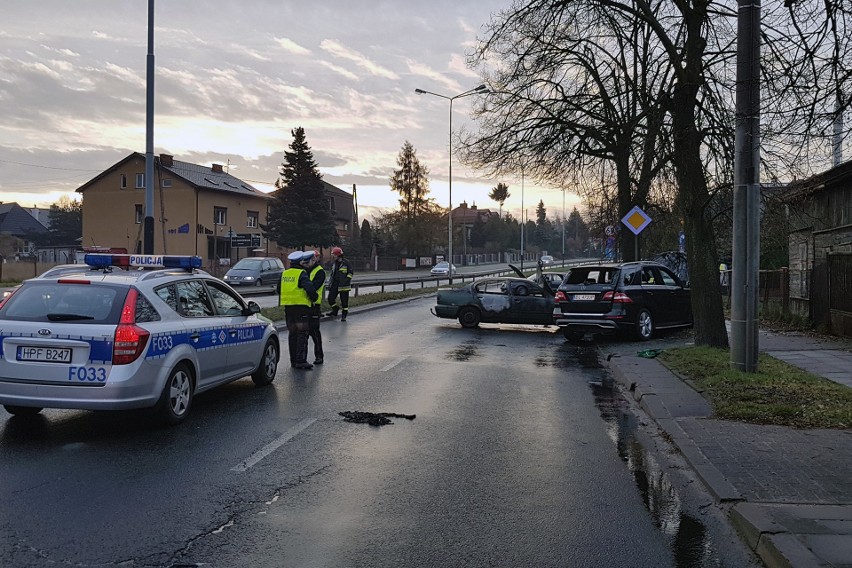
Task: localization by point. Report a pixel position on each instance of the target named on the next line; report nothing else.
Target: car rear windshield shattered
(592, 275)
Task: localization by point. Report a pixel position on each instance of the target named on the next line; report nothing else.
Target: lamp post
(481, 89)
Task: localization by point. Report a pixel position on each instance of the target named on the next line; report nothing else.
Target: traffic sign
(248, 240)
(636, 220)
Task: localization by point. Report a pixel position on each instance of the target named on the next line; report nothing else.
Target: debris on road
(373, 418)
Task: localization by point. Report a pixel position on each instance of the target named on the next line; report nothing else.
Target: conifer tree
(300, 214)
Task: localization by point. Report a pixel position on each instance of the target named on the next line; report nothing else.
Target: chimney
(217, 168)
(167, 160)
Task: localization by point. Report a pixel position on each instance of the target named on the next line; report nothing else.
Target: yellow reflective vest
(291, 294)
(321, 289)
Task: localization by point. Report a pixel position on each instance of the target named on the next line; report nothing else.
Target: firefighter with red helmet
(340, 283)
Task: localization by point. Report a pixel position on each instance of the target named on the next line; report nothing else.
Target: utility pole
(148, 232)
(746, 237)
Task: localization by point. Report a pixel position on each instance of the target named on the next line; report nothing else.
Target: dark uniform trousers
(314, 332)
(298, 320)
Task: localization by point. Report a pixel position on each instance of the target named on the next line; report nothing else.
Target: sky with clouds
(232, 79)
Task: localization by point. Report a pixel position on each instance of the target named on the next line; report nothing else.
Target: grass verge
(277, 313)
(778, 393)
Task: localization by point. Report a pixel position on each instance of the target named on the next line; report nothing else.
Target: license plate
(44, 354)
(584, 297)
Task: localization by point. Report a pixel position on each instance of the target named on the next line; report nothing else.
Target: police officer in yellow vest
(317, 275)
(298, 296)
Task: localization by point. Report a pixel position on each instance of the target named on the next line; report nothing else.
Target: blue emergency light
(97, 260)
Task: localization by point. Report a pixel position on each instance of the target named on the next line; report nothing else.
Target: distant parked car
(546, 260)
(255, 271)
(443, 269)
(632, 297)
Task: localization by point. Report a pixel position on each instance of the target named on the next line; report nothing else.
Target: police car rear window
(66, 302)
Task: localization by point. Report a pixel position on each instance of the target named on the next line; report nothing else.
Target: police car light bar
(97, 260)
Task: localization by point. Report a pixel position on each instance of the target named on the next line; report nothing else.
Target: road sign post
(636, 220)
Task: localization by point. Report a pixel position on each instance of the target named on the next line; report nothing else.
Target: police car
(129, 331)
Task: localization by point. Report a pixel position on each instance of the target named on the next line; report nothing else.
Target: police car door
(207, 334)
(243, 334)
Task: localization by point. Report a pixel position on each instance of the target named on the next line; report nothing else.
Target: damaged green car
(498, 300)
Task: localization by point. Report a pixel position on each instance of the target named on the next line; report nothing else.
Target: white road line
(273, 445)
(392, 365)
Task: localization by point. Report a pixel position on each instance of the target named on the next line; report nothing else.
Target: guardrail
(358, 283)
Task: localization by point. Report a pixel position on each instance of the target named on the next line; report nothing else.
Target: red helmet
(337, 251)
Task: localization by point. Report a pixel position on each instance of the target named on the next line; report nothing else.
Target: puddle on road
(465, 351)
(687, 536)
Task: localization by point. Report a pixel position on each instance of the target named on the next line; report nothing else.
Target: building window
(220, 215)
(167, 182)
(346, 226)
(251, 219)
(331, 204)
(140, 215)
(140, 181)
(123, 183)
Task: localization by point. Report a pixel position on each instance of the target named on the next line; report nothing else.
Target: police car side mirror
(252, 308)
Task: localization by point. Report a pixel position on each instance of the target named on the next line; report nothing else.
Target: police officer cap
(295, 256)
(307, 256)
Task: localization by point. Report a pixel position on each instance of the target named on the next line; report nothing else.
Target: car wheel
(469, 317)
(268, 366)
(22, 410)
(644, 325)
(176, 399)
(259, 283)
(573, 336)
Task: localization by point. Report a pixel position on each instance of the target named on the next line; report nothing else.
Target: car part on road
(373, 418)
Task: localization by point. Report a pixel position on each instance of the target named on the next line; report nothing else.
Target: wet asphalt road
(521, 454)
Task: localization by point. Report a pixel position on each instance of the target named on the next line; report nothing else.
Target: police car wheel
(176, 398)
(22, 410)
(268, 366)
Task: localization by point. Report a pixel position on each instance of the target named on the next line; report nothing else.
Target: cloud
(338, 50)
(433, 76)
(65, 52)
(291, 46)
(348, 74)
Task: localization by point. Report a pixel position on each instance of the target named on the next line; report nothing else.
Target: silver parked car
(111, 336)
(443, 268)
(256, 271)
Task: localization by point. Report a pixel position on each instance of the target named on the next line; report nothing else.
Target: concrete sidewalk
(790, 489)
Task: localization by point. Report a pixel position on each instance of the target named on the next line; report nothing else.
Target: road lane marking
(273, 445)
(392, 365)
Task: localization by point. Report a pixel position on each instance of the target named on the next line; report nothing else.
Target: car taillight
(560, 297)
(616, 297)
(4, 299)
(130, 339)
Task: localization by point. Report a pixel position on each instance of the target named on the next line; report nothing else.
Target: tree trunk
(693, 196)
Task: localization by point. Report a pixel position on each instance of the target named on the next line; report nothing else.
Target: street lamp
(481, 89)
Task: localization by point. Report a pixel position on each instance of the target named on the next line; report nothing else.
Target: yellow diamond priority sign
(636, 220)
